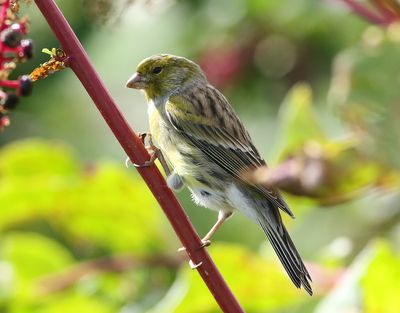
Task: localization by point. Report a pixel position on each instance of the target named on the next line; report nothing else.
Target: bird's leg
(163, 163)
(154, 153)
(174, 181)
(142, 137)
(222, 217)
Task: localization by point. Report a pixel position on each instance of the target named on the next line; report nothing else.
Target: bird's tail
(284, 247)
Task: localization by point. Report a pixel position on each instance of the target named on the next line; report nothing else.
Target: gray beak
(136, 81)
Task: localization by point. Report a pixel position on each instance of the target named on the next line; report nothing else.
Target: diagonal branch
(83, 69)
(115, 263)
(367, 13)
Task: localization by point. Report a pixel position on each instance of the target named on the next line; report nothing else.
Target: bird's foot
(194, 266)
(153, 151)
(204, 243)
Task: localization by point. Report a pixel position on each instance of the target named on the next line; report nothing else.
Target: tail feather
(285, 249)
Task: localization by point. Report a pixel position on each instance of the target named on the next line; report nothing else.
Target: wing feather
(219, 134)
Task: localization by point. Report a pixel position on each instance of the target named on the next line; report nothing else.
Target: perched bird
(208, 149)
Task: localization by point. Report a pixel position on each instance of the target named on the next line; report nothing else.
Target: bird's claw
(181, 249)
(194, 266)
(145, 164)
(154, 152)
(151, 149)
(127, 162)
(204, 243)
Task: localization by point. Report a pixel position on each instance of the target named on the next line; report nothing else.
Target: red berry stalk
(382, 12)
(79, 62)
(14, 49)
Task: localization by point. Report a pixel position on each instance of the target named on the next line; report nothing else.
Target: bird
(207, 149)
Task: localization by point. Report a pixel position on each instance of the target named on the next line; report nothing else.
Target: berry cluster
(14, 49)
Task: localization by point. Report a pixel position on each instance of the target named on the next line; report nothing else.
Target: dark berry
(25, 85)
(27, 47)
(4, 121)
(12, 36)
(11, 101)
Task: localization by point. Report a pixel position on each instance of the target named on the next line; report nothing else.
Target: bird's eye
(157, 70)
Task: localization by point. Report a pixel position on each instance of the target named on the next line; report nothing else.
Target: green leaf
(34, 157)
(33, 173)
(71, 303)
(370, 282)
(51, 52)
(34, 255)
(101, 207)
(114, 210)
(298, 120)
(31, 257)
(381, 287)
(365, 94)
(260, 284)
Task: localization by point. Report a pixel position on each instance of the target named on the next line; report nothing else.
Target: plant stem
(83, 69)
(115, 263)
(366, 13)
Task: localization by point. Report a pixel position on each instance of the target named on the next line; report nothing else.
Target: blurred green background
(81, 233)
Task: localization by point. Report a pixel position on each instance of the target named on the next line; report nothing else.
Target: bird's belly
(194, 175)
(183, 165)
(189, 163)
(212, 199)
(184, 158)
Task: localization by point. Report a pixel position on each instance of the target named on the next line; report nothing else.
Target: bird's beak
(136, 81)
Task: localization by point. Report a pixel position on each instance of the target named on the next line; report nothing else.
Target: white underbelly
(212, 199)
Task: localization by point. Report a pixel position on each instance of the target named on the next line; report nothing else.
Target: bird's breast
(187, 160)
(172, 144)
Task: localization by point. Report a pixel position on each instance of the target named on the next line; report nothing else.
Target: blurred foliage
(250, 292)
(383, 271)
(317, 88)
(317, 167)
(366, 100)
(55, 212)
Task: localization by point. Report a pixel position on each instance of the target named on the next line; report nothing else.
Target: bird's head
(165, 74)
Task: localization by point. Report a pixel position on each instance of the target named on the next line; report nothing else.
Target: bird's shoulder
(206, 106)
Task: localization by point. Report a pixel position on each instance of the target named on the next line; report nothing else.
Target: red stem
(10, 84)
(83, 69)
(385, 11)
(366, 13)
(3, 14)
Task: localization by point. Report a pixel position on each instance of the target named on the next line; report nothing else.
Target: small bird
(208, 149)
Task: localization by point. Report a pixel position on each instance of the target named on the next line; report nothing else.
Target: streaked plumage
(209, 149)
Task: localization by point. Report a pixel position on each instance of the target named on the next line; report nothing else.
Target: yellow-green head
(162, 75)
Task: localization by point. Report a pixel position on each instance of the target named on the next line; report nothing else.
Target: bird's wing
(205, 117)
